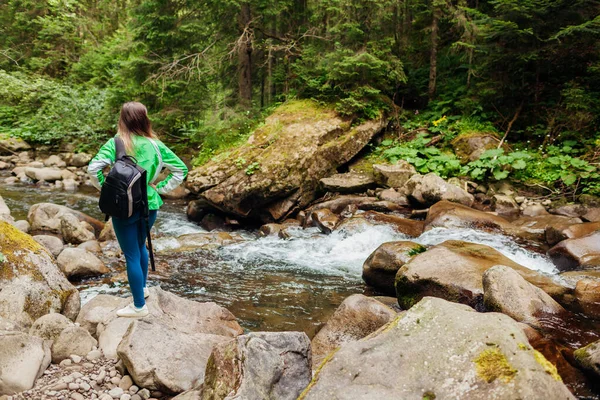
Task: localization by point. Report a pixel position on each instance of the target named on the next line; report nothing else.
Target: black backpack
(125, 190)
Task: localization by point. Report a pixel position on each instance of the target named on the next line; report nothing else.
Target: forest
(209, 71)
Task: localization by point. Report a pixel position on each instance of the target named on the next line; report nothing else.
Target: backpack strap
(120, 148)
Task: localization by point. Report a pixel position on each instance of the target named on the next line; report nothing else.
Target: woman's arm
(105, 157)
(175, 165)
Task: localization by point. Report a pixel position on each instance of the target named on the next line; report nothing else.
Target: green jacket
(153, 156)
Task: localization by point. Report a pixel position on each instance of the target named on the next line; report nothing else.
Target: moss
(491, 364)
(547, 365)
(316, 374)
(523, 346)
(417, 250)
(14, 245)
(429, 395)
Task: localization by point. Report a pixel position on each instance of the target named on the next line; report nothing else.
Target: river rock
(558, 233)
(393, 196)
(470, 146)
(74, 231)
(78, 263)
(48, 216)
(22, 225)
(430, 189)
(534, 210)
(507, 292)
(31, 284)
(80, 159)
(44, 174)
(49, 326)
(592, 215)
(278, 170)
(505, 205)
(340, 203)
(270, 229)
(10, 146)
(454, 270)
(173, 364)
(194, 241)
(350, 182)
(324, 219)
(569, 210)
(55, 161)
(440, 350)
(175, 312)
(588, 357)
(587, 293)
(107, 233)
(379, 270)
(73, 340)
(92, 246)
(394, 176)
(179, 192)
(357, 317)
(259, 365)
(97, 310)
(536, 227)
(406, 226)
(580, 253)
(52, 243)
(23, 359)
(4, 211)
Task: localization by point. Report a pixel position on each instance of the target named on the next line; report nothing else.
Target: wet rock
(48, 216)
(393, 176)
(192, 241)
(430, 189)
(173, 364)
(439, 349)
(406, 226)
(454, 270)
(74, 231)
(31, 284)
(535, 227)
(23, 359)
(179, 192)
(78, 263)
(505, 205)
(340, 203)
(212, 222)
(270, 229)
(44, 174)
(107, 233)
(580, 253)
(588, 357)
(284, 160)
(534, 210)
(54, 244)
(470, 146)
(379, 270)
(50, 326)
(259, 365)
(569, 210)
(349, 182)
(558, 233)
(357, 317)
(587, 293)
(73, 340)
(592, 215)
(174, 312)
(70, 185)
(324, 219)
(393, 196)
(506, 291)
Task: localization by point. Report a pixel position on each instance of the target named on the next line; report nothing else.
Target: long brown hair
(134, 121)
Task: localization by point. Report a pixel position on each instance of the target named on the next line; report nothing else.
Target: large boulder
(558, 233)
(185, 316)
(536, 227)
(588, 357)
(75, 231)
(73, 340)
(278, 170)
(357, 317)
(78, 263)
(340, 203)
(579, 253)
(52, 243)
(587, 293)
(350, 182)
(430, 189)
(10, 146)
(23, 359)
(394, 176)
(454, 270)
(80, 159)
(259, 365)
(379, 270)
(439, 350)
(48, 217)
(31, 284)
(50, 326)
(44, 174)
(470, 146)
(506, 291)
(161, 357)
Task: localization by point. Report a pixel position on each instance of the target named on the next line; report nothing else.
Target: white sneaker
(146, 292)
(132, 311)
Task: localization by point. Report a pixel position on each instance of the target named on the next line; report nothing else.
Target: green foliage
(253, 168)
(417, 250)
(495, 164)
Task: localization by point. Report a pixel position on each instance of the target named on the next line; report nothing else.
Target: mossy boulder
(470, 146)
(588, 357)
(31, 284)
(279, 168)
(439, 350)
(453, 270)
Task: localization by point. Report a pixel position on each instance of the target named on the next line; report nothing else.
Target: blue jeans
(131, 234)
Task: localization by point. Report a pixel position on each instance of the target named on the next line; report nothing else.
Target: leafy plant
(493, 163)
(417, 250)
(253, 168)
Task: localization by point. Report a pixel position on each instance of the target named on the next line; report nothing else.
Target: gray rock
(78, 263)
(429, 189)
(74, 231)
(54, 161)
(52, 243)
(349, 182)
(393, 176)
(505, 205)
(23, 359)
(92, 246)
(48, 216)
(31, 284)
(22, 225)
(97, 310)
(72, 340)
(588, 357)
(50, 326)
(506, 291)
(534, 210)
(80, 159)
(116, 393)
(259, 365)
(393, 196)
(442, 350)
(12, 145)
(44, 174)
(4, 210)
(108, 233)
(357, 317)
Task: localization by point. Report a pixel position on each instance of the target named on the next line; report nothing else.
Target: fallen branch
(510, 124)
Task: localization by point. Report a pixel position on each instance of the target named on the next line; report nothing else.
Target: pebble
(68, 379)
(113, 373)
(77, 396)
(94, 355)
(66, 362)
(136, 397)
(76, 359)
(77, 375)
(106, 396)
(101, 377)
(88, 365)
(125, 396)
(126, 382)
(133, 389)
(85, 386)
(116, 393)
(115, 381)
(59, 386)
(144, 394)
(73, 386)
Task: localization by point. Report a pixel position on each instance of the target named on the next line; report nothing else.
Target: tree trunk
(434, 50)
(245, 57)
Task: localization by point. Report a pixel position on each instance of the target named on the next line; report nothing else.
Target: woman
(135, 130)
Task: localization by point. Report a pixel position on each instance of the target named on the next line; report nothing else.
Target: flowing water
(275, 284)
